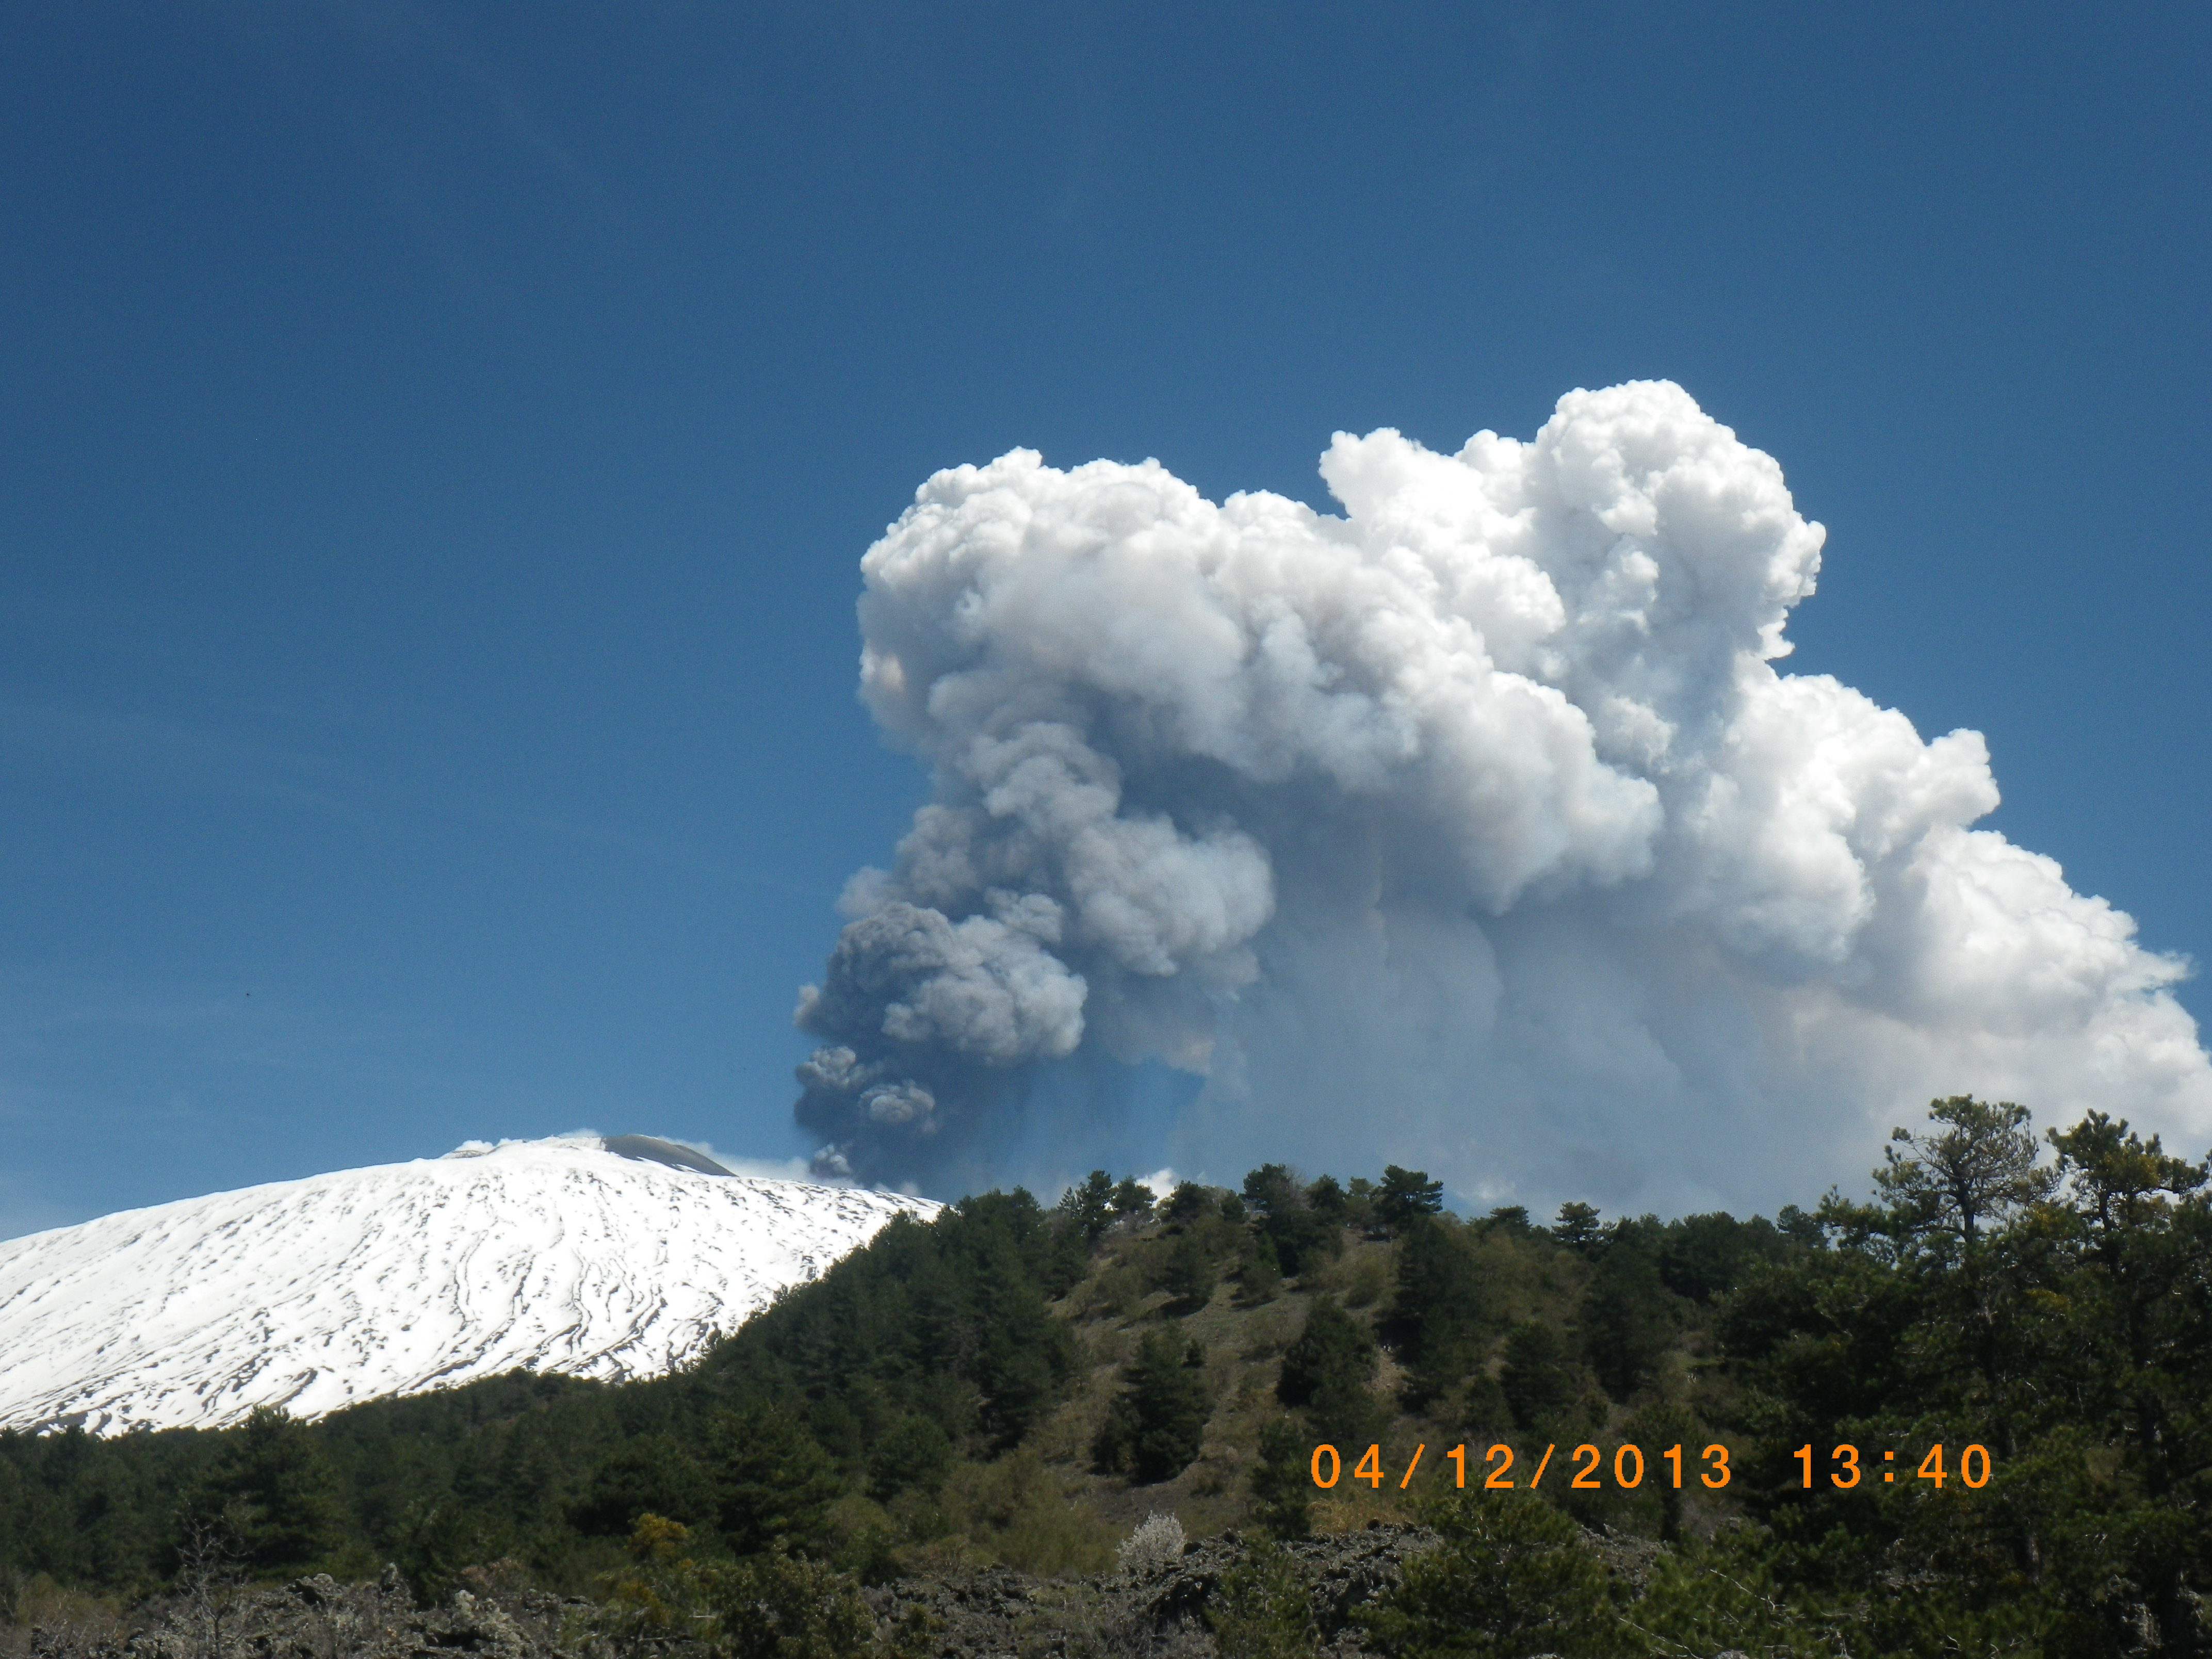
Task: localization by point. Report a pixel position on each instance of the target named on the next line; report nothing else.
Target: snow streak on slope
(315, 1294)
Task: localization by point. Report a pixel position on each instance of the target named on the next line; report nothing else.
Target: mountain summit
(609, 1259)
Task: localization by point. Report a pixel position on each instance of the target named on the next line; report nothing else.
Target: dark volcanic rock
(997, 1613)
(994, 1613)
(318, 1618)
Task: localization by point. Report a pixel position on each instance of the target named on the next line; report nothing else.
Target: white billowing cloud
(1471, 829)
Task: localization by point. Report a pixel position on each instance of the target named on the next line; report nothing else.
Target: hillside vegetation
(1021, 1385)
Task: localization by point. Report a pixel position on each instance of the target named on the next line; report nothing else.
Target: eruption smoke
(1471, 829)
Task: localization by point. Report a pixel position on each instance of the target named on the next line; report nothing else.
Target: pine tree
(1578, 1227)
(1442, 1318)
(1272, 1189)
(1091, 1205)
(1542, 1385)
(282, 1492)
(916, 1454)
(648, 1474)
(1156, 1426)
(1326, 1371)
(1333, 1352)
(1979, 1168)
(1327, 1199)
(1405, 1194)
(1626, 1324)
(1304, 1236)
(776, 1482)
(1188, 1274)
(1131, 1200)
(1188, 1203)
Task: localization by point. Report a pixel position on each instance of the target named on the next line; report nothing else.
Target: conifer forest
(1970, 1412)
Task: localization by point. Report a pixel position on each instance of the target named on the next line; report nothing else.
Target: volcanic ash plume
(1471, 830)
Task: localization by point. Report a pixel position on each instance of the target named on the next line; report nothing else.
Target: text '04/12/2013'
(1588, 1467)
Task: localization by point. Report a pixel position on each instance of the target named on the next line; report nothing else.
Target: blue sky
(440, 442)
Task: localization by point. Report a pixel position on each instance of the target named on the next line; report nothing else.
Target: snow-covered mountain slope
(608, 1259)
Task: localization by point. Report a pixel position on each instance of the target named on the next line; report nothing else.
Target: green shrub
(784, 1606)
(660, 1597)
(1114, 1293)
(1019, 1512)
(1261, 1610)
(1282, 1481)
(1512, 1578)
(1721, 1596)
(1365, 1282)
(1261, 1273)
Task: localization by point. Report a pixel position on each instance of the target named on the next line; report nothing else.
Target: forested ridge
(1016, 1383)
